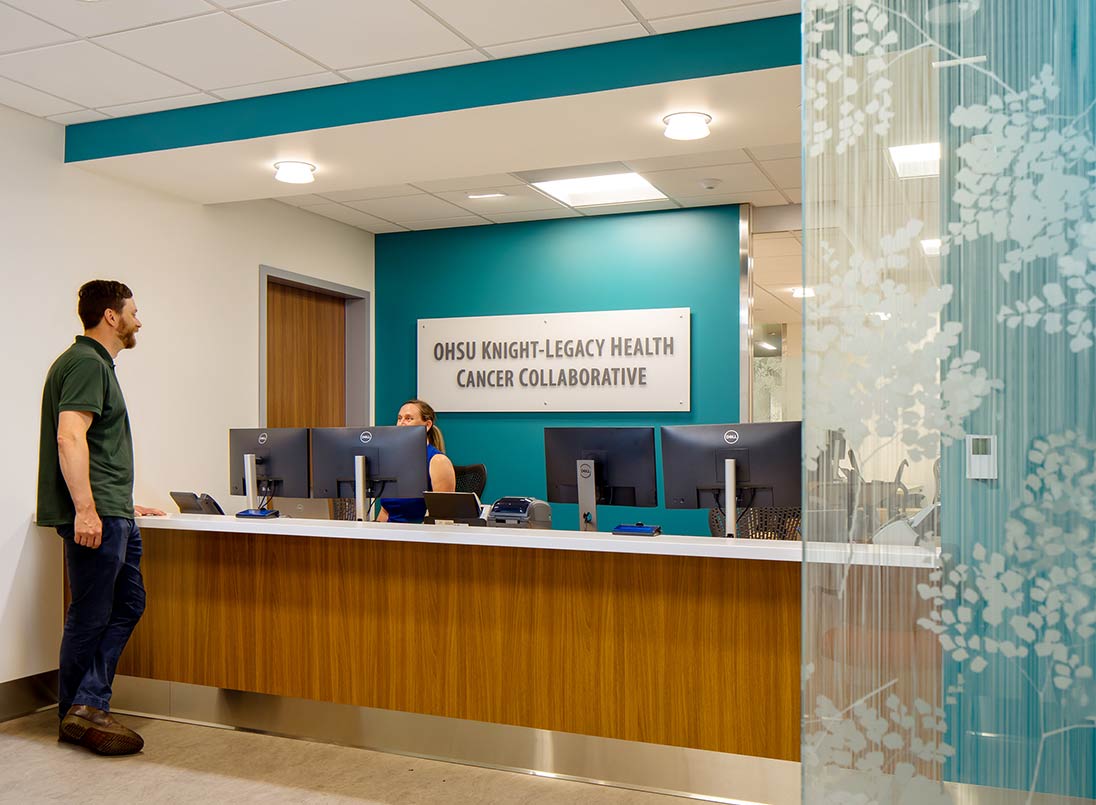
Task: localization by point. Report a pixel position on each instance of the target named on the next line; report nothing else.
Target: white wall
(194, 272)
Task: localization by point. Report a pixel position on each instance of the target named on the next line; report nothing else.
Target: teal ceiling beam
(698, 53)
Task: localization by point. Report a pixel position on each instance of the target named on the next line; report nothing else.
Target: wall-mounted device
(982, 458)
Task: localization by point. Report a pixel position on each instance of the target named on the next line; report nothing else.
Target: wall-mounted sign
(613, 360)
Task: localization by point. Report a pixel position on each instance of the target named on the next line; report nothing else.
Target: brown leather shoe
(99, 731)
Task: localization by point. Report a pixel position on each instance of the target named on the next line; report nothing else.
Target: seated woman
(440, 476)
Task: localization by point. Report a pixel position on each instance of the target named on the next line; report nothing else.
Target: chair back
(471, 478)
(717, 523)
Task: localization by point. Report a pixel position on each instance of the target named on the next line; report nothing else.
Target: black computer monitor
(281, 456)
(395, 461)
(624, 464)
(768, 464)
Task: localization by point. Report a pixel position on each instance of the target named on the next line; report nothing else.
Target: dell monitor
(391, 463)
(766, 472)
(281, 463)
(607, 466)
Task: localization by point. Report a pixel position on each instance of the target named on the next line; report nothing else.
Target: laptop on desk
(461, 508)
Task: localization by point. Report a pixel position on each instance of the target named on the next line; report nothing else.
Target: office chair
(759, 522)
(471, 478)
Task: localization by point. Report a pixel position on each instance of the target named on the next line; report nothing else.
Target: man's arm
(72, 451)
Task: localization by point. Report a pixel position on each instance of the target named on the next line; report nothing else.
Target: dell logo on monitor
(730, 437)
(262, 437)
(366, 437)
(584, 471)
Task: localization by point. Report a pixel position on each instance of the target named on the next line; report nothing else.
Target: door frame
(358, 339)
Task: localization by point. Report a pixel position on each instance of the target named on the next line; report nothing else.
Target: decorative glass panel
(949, 583)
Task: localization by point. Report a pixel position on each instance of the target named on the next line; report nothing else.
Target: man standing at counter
(85, 489)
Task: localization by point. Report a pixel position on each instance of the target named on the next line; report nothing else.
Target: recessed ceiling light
(916, 161)
(879, 314)
(802, 293)
(486, 195)
(931, 247)
(589, 191)
(294, 172)
(687, 125)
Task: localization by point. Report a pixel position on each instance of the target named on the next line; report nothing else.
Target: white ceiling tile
(761, 198)
(19, 31)
(795, 194)
(737, 13)
(785, 172)
(786, 151)
(694, 160)
(536, 215)
(489, 22)
(403, 209)
(94, 19)
(32, 101)
(380, 228)
(281, 85)
(351, 33)
(240, 3)
(83, 116)
(518, 198)
(232, 54)
(687, 181)
(306, 200)
(653, 9)
(781, 245)
(338, 212)
(388, 191)
(159, 105)
(594, 37)
(467, 183)
(638, 206)
(779, 270)
(770, 306)
(449, 223)
(413, 65)
(88, 75)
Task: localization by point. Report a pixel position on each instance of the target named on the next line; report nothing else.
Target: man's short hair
(99, 295)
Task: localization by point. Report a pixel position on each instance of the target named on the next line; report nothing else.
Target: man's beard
(129, 339)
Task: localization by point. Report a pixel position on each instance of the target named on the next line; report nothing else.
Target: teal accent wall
(680, 258)
(698, 53)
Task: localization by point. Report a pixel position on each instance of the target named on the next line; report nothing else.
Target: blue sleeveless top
(411, 510)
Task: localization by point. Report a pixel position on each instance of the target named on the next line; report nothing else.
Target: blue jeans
(108, 597)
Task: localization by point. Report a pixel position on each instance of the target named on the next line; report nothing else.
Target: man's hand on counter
(145, 511)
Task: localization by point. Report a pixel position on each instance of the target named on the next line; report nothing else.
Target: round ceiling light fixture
(687, 125)
(294, 172)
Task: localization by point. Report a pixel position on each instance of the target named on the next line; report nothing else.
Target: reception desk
(682, 642)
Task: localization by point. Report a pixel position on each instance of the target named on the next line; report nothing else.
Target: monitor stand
(587, 495)
(251, 483)
(730, 486)
(361, 510)
(251, 489)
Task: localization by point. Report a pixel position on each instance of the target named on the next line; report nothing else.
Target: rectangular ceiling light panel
(916, 161)
(590, 191)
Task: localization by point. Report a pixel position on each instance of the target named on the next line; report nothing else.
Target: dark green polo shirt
(83, 379)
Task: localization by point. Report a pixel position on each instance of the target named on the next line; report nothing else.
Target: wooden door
(305, 358)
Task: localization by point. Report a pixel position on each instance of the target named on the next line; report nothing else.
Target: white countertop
(665, 545)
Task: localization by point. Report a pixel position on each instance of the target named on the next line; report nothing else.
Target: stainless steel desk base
(693, 773)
